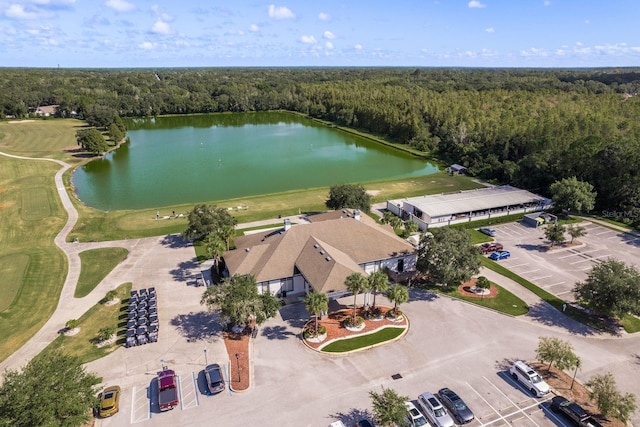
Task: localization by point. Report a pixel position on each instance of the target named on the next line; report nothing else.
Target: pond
(201, 158)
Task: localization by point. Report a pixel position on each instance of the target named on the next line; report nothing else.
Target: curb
(344, 353)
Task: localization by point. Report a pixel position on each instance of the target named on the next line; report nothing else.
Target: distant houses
(464, 206)
(46, 110)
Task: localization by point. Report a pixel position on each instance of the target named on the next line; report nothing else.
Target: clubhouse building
(319, 255)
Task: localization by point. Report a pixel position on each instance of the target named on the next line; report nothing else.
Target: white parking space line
(140, 405)
(556, 284)
(569, 256)
(540, 278)
(613, 237)
(563, 293)
(189, 397)
(530, 271)
(514, 404)
(603, 232)
(582, 260)
(517, 265)
(488, 404)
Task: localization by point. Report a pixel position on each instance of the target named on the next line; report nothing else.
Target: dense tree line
(527, 127)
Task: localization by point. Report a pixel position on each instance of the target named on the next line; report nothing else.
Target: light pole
(162, 363)
(574, 373)
(205, 357)
(238, 364)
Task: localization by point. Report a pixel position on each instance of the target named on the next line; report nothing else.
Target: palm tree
(397, 294)
(355, 283)
(576, 231)
(377, 282)
(215, 247)
(316, 303)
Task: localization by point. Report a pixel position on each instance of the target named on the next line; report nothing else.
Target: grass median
(101, 315)
(504, 302)
(363, 341)
(95, 265)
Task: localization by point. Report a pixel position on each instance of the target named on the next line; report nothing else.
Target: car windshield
(459, 405)
(108, 395)
(536, 379)
(420, 421)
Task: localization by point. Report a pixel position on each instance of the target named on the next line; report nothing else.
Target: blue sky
(216, 33)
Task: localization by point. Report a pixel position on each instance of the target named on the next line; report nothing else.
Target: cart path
(68, 306)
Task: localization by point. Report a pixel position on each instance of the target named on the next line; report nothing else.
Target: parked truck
(167, 390)
(574, 412)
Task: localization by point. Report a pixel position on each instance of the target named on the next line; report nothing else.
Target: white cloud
(324, 16)
(308, 39)
(534, 51)
(161, 27)
(329, 35)
(475, 4)
(280, 12)
(329, 45)
(358, 47)
(254, 28)
(120, 5)
(147, 45)
(17, 11)
(490, 30)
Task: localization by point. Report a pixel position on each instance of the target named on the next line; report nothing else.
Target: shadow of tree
(545, 314)
(419, 294)
(277, 333)
(528, 247)
(198, 326)
(175, 241)
(352, 417)
(184, 272)
(295, 315)
(505, 364)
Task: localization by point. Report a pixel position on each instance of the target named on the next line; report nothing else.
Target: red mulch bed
(465, 289)
(240, 369)
(335, 329)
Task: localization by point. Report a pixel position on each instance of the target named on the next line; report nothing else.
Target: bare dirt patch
(560, 383)
(20, 121)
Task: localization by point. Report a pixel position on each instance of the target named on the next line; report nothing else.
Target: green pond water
(190, 159)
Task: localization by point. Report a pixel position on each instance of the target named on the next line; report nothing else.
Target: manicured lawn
(95, 225)
(631, 324)
(50, 138)
(504, 302)
(96, 318)
(95, 265)
(363, 341)
(33, 269)
(478, 237)
(12, 270)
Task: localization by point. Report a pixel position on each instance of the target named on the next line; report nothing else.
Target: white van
(520, 371)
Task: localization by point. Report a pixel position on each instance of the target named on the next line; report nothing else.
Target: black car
(215, 381)
(573, 411)
(456, 406)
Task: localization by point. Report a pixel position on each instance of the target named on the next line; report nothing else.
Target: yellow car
(109, 401)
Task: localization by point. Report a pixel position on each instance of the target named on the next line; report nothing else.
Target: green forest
(525, 127)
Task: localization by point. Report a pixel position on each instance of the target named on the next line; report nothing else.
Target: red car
(491, 247)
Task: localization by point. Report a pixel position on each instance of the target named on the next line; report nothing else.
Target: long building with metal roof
(471, 205)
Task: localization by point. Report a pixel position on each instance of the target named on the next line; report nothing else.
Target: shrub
(353, 322)
(111, 295)
(394, 313)
(72, 324)
(310, 332)
(106, 333)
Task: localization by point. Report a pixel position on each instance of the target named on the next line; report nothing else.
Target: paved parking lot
(558, 270)
(449, 344)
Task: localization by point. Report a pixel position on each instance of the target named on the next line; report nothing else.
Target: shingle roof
(349, 242)
(473, 200)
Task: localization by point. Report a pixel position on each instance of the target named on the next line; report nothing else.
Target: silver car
(434, 410)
